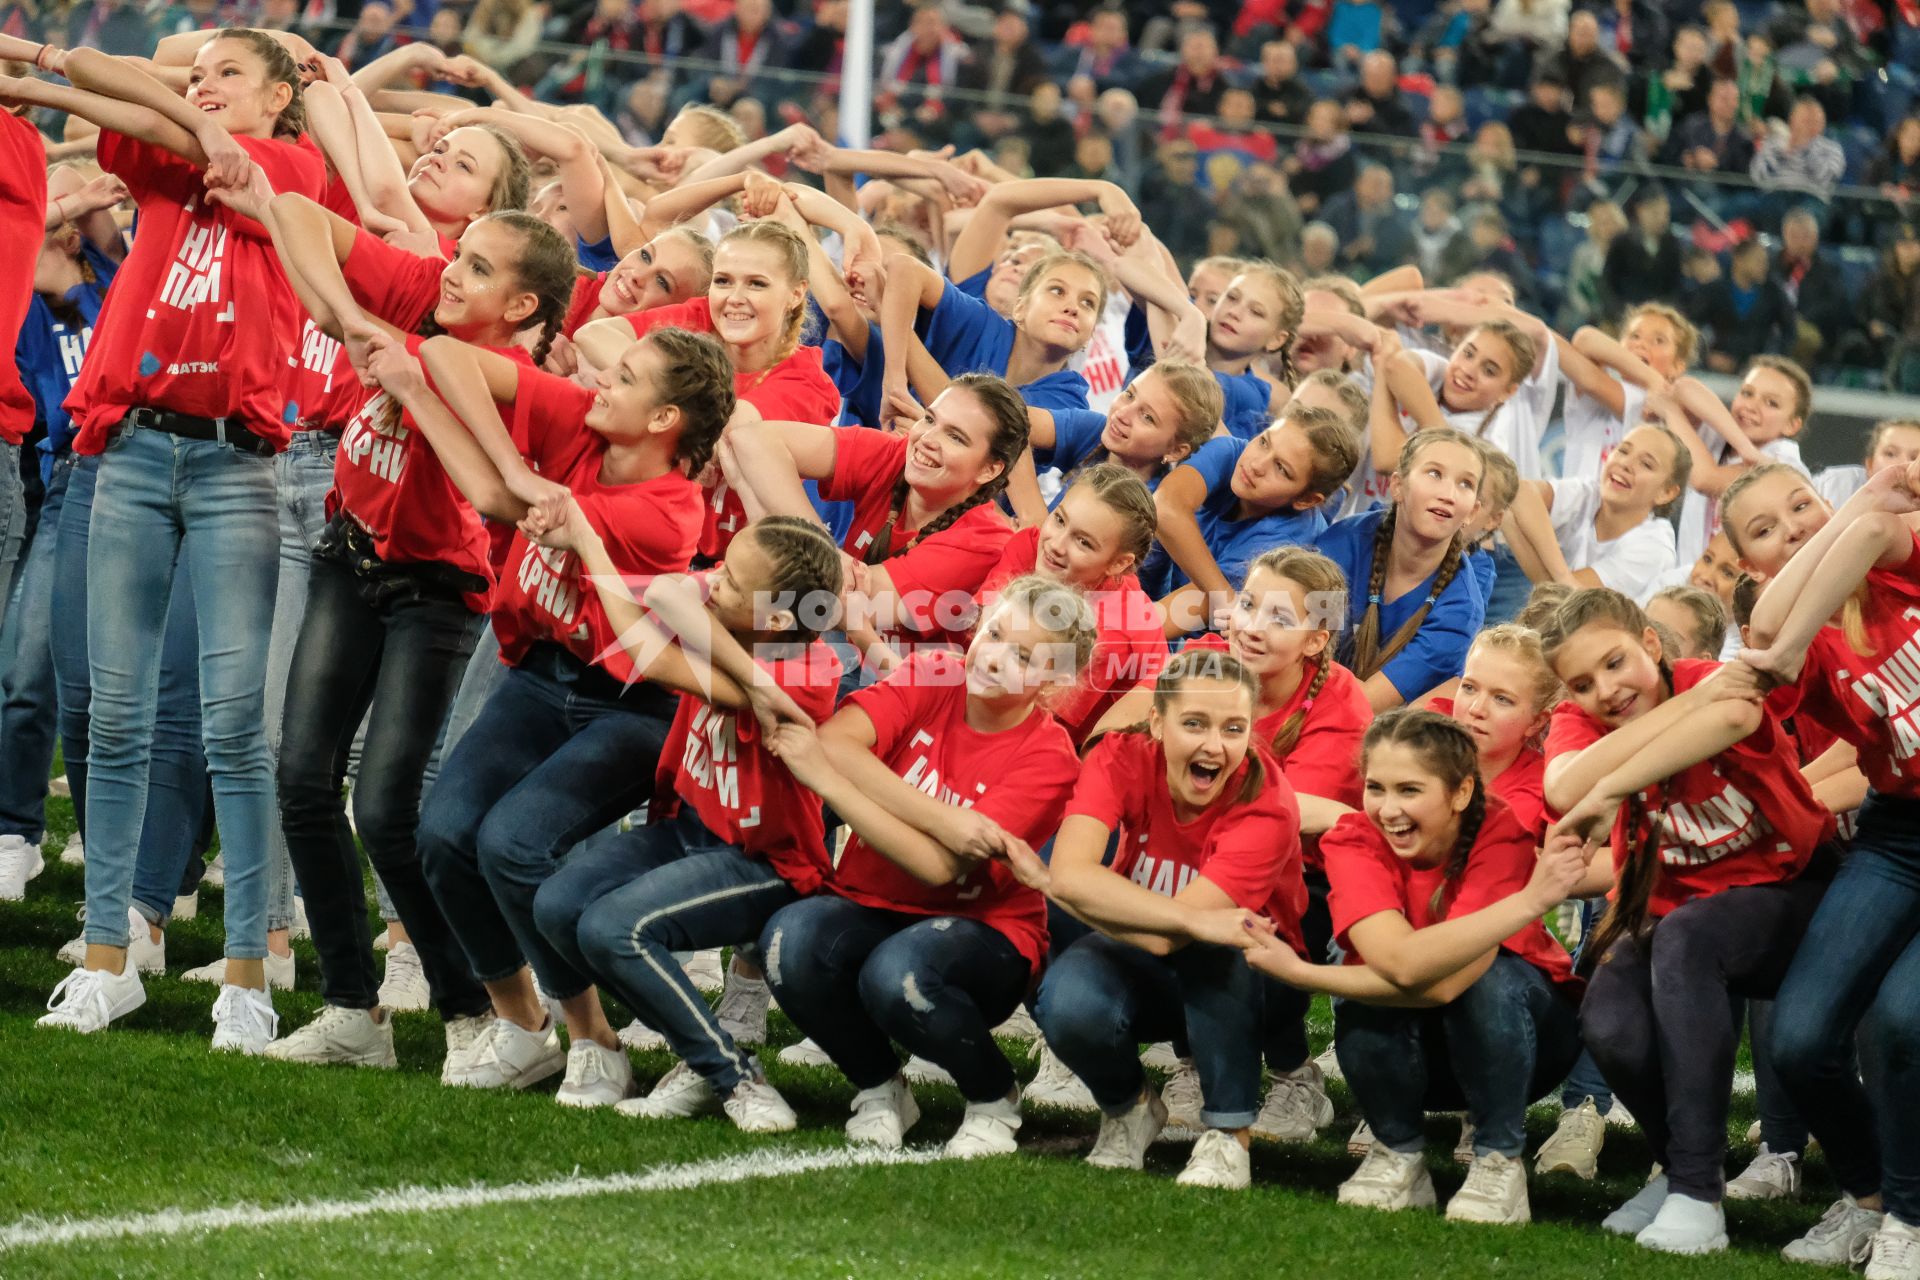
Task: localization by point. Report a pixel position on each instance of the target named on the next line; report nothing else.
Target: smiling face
(1441, 491)
(230, 85)
(1247, 319)
(1205, 729)
(1412, 808)
(1479, 374)
(1267, 629)
(481, 288)
(1143, 423)
(1611, 673)
(950, 450)
(1766, 406)
(1651, 338)
(627, 403)
(1898, 447)
(1496, 703)
(1061, 308)
(1274, 469)
(751, 293)
(1639, 472)
(1080, 541)
(454, 181)
(1717, 569)
(1773, 518)
(666, 269)
(1012, 658)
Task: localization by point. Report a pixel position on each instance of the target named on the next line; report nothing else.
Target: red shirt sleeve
(398, 287)
(1325, 760)
(1362, 877)
(955, 559)
(1117, 770)
(1248, 850)
(696, 314)
(863, 460)
(586, 296)
(548, 424)
(150, 172)
(1571, 729)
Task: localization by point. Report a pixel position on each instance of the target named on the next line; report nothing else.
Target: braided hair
(1005, 443)
(1315, 575)
(806, 573)
(1292, 310)
(695, 377)
(1448, 752)
(1369, 654)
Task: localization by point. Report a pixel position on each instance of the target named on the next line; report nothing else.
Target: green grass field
(144, 1120)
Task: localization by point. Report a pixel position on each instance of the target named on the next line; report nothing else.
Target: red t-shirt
(1522, 784)
(1325, 759)
(1368, 878)
(715, 761)
(23, 220)
(1250, 851)
(1132, 647)
(1872, 700)
(1744, 817)
(795, 390)
(200, 318)
(586, 296)
(650, 528)
(1020, 777)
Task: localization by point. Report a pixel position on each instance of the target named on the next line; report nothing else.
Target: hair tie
(1374, 598)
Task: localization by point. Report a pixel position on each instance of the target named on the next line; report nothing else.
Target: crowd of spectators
(1600, 155)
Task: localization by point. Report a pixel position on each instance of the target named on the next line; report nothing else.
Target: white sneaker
(1685, 1225)
(383, 941)
(350, 1037)
(217, 873)
(1773, 1175)
(1463, 1147)
(60, 787)
(1637, 1214)
(147, 955)
(1018, 1026)
(639, 1036)
(1494, 1193)
(509, 1056)
(1160, 1057)
(681, 1094)
(742, 1011)
(1841, 1238)
(279, 972)
(19, 863)
(805, 1054)
(1390, 1180)
(1218, 1161)
(404, 984)
(1184, 1103)
(703, 967)
(298, 927)
(755, 1106)
(1329, 1064)
(1296, 1107)
(186, 906)
(1124, 1139)
(1360, 1141)
(596, 1076)
(1895, 1252)
(463, 1037)
(75, 854)
(86, 1000)
(920, 1071)
(1575, 1145)
(883, 1114)
(1055, 1085)
(244, 1020)
(1619, 1117)
(987, 1129)
(1753, 1132)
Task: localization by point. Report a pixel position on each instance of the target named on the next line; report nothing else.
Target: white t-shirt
(1592, 431)
(1700, 515)
(1635, 564)
(1515, 427)
(1837, 484)
(1103, 361)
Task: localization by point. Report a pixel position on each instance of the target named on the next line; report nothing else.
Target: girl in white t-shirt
(1472, 392)
(1770, 407)
(1612, 528)
(1655, 348)
(1895, 442)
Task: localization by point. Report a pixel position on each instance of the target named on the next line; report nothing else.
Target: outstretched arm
(474, 383)
(206, 144)
(979, 244)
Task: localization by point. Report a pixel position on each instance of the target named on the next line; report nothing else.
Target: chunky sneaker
(1773, 1175)
(681, 1094)
(279, 972)
(348, 1036)
(404, 985)
(1160, 1056)
(883, 1114)
(19, 863)
(1895, 1251)
(88, 999)
(75, 854)
(1184, 1103)
(1360, 1141)
(1840, 1239)
(703, 967)
(244, 1020)
(186, 906)
(383, 941)
(1495, 1192)
(1124, 1138)
(217, 873)
(509, 1056)
(1463, 1147)
(1390, 1180)
(1297, 1106)
(1018, 1026)
(1055, 1085)
(921, 1071)
(987, 1129)
(1575, 1145)
(596, 1076)
(1218, 1161)
(463, 1037)
(1685, 1225)
(640, 1037)
(1636, 1215)
(1329, 1064)
(805, 1054)
(742, 1011)
(755, 1106)
(143, 952)
(1619, 1117)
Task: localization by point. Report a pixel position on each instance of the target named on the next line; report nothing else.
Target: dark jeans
(1504, 1041)
(1103, 997)
(620, 908)
(858, 978)
(1861, 963)
(550, 760)
(1584, 1079)
(404, 662)
(1658, 1017)
(1284, 1041)
(28, 709)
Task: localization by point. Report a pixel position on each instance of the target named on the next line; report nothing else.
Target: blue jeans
(483, 675)
(28, 709)
(858, 979)
(1103, 997)
(1860, 963)
(13, 520)
(620, 908)
(73, 687)
(549, 761)
(162, 501)
(1584, 1079)
(1501, 1043)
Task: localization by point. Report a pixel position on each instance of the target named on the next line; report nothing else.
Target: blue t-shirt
(1235, 544)
(1247, 395)
(1480, 564)
(965, 335)
(597, 255)
(1139, 342)
(1438, 650)
(1076, 433)
(975, 285)
(49, 353)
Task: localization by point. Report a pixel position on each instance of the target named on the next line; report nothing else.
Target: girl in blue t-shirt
(1417, 613)
(1158, 421)
(70, 278)
(1254, 321)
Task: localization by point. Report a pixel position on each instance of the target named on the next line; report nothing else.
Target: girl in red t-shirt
(1713, 834)
(1451, 987)
(1205, 822)
(180, 396)
(747, 838)
(949, 772)
(1506, 695)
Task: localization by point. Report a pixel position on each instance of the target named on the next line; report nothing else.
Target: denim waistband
(321, 444)
(556, 663)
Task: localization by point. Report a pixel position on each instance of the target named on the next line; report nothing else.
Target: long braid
(1288, 733)
(1627, 914)
(1366, 636)
(1471, 820)
(1007, 441)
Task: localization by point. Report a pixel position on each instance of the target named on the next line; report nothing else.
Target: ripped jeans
(857, 979)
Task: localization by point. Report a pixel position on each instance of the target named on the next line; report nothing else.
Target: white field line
(29, 1232)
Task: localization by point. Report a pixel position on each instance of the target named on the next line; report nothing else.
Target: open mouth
(1400, 831)
(622, 291)
(1052, 562)
(1203, 777)
(1619, 480)
(1442, 514)
(1461, 385)
(925, 460)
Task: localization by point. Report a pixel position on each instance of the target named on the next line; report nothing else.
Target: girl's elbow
(1740, 717)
